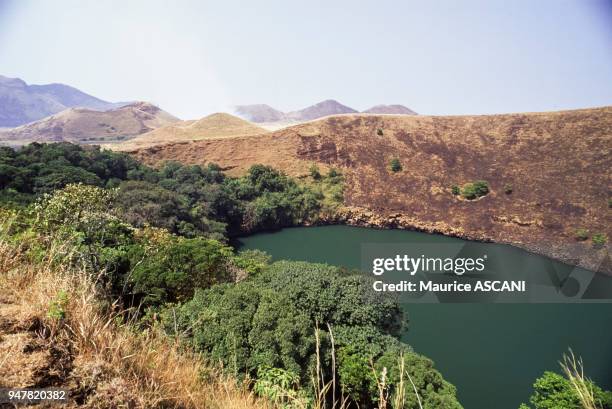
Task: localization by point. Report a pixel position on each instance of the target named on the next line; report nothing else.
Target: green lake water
(491, 352)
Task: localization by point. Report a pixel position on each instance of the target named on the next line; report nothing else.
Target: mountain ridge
(263, 113)
(22, 103)
(217, 125)
(84, 125)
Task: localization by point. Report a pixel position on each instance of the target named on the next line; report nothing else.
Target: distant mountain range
(21, 103)
(219, 125)
(82, 125)
(390, 109)
(264, 113)
(58, 112)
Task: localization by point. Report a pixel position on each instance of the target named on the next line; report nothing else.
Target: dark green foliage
(475, 189)
(253, 262)
(147, 267)
(269, 321)
(395, 165)
(173, 270)
(553, 391)
(143, 203)
(188, 200)
(314, 172)
(39, 168)
(455, 190)
(263, 325)
(81, 214)
(333, 174)
(271, 200)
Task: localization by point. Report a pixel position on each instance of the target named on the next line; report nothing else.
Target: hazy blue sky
(436, 57)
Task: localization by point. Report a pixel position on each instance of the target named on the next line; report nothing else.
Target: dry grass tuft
(574, 371)
(55, 331)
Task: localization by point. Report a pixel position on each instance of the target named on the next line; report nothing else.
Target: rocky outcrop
(578, 254)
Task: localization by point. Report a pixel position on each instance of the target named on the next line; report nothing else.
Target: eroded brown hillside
(558, 165)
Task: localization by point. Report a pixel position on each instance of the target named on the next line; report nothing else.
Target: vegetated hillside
(219, 125)
(87, 126)
(259, 113)
(548, 173)
(390, 109)
(21, 103)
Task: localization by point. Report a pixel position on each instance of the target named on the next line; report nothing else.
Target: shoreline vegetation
(122, 286)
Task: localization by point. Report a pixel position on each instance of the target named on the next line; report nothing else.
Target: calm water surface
(491, 352)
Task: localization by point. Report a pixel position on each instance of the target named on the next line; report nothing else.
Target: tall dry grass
(573, 368)
(115, 363)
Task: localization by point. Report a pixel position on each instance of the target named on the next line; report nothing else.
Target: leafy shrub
(172, 271)
(475, 189)
(333, 174)
(395, 165)
(269, 321)
(599, 239)
(83, 215)
(337, 194)
(581, 234)
(508, 189)
(379, 132)
(314, 172)
(455, 190)
(552, 390)
(281, 387)
(253, 262)
(57, 307)
(275, 200)
(143, 203)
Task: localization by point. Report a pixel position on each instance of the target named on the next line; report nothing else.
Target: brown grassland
(557, 166)
(219, 125)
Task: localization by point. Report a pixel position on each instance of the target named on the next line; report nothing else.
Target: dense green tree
(143, 203)
(270, 321)
(171, 271)
(189, 200)
(475, 189)
(42, 168)
(82, 216)
(553, 391)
